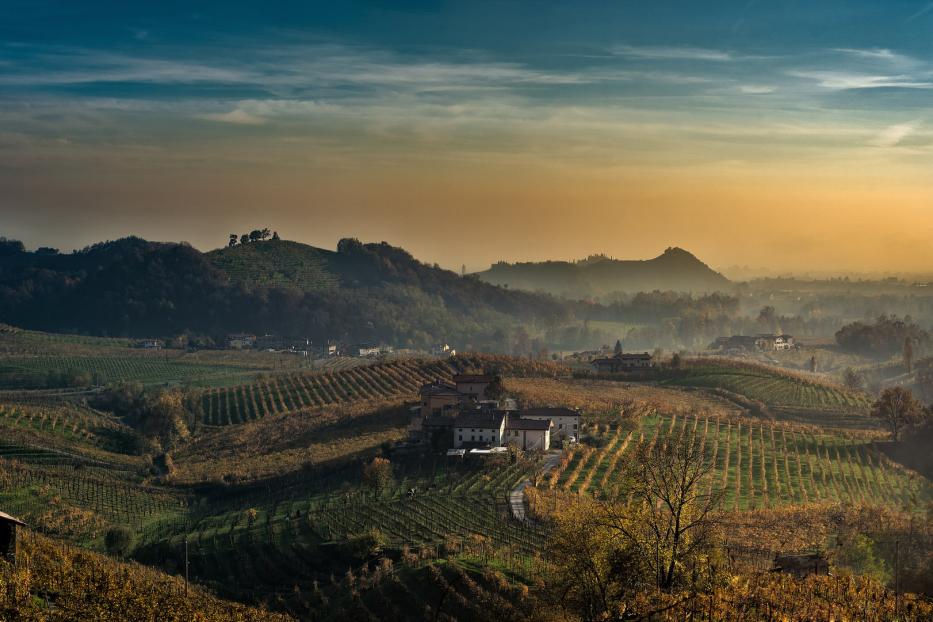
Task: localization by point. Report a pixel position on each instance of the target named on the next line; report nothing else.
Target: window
(560, 426)
(472, 438)
(575, 426)
(460, 437)
(515, 433)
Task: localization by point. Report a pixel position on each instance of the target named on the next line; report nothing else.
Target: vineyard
(771, 387)
(292, 392)
(67, 425)
(31, 490)
(757, 465)
(290, 529)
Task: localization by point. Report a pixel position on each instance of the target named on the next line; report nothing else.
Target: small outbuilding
(8, 536)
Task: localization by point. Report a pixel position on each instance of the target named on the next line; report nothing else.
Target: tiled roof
(514, 423)
(438, 388)
(548, 412)
(473, 378)
(480, 420)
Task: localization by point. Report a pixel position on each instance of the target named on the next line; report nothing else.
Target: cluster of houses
(753, 343)
(460, 415)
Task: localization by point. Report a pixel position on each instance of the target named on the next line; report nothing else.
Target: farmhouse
(439, 398)
(8, 536)
(473, 385)
(366, 350)
(759, 343)
(240, 341)
(479, 428)
(623, 362)
(150, 344)
(774, 342)
(566, 421)
(528, 434)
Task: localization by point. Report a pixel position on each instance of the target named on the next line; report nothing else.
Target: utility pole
(897, 578)
(186, 566)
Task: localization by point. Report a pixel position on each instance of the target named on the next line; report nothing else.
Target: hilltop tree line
(256, 235)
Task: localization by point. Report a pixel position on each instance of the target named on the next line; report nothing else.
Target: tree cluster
(887, 336)
(256, 235)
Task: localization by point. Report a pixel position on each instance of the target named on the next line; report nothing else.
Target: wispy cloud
(237, 116)
(923, 11)
(757, 89)
(673, 53)
(892, 135)
(842, 80)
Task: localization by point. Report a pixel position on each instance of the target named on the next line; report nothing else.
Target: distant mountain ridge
(673, 270)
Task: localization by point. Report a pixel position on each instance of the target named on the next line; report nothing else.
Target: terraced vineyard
(291, 392)
(758, 465)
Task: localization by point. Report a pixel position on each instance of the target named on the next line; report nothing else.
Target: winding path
(517, 496)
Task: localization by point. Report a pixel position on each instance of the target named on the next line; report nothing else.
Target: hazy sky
(791, 135)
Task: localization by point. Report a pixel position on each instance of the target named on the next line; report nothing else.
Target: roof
(438, 388)
(437, 422)
(480, 420)
(548, 412)
(473, 378)
(4, 517)
(516, 423)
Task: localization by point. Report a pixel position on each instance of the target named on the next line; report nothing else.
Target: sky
(785, 135)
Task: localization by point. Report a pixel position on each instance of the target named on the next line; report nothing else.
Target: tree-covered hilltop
(598, 275)
(132, 287)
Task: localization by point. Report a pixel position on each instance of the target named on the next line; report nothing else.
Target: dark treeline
(885, 337)
(136, 288)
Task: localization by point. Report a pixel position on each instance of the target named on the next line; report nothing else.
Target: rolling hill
(674, 270)
(360, 292)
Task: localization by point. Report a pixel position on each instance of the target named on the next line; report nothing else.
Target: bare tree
(669, 523)
(897, 407)
(908, 354)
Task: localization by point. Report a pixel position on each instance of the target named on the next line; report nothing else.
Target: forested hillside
(361, 292)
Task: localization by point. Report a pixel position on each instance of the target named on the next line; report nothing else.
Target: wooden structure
(801, 565)
(8, 536)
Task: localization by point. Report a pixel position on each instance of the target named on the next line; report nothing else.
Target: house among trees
(366, 350)
(150, 344)
(623, 362)
(566, 421)
(801, 565)
(240, 341)
(8, 536)
(758, 343)
(766, 343)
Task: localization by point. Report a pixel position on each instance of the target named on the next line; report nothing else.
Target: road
(517, 496)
